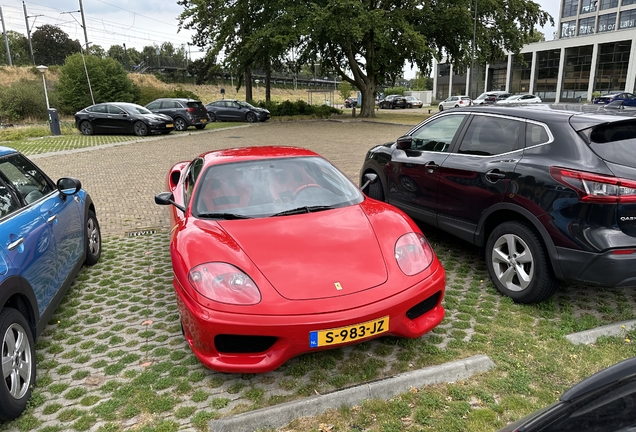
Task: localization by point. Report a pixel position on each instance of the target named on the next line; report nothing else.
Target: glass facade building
(594, 51)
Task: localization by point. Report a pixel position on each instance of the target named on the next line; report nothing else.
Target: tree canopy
(366, 41)
(51, 45)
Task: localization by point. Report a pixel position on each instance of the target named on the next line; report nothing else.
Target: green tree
(344, 88)
(108, 79)
(380, 37)
(19, 47)
(97, 50)
(51, 45)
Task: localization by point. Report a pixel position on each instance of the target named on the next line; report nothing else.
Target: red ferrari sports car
(276, 253)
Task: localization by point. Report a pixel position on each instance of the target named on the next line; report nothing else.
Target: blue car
(47, 232)
(629, 99)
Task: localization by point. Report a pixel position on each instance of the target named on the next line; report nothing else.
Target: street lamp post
(43, 69)
(472, 55)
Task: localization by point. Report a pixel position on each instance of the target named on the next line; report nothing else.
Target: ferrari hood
(313, 255)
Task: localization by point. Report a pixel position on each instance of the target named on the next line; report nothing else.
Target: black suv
(185, 112)
(549, 194)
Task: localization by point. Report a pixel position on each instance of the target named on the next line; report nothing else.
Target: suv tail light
(191, 109)
(596, 188)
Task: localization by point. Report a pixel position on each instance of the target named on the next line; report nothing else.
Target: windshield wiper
(227, 216)
(300, 210)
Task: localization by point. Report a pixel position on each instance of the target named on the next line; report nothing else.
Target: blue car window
(27, 180)
(8, 202)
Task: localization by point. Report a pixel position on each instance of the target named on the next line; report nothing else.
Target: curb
(588, 337)
(280, 415)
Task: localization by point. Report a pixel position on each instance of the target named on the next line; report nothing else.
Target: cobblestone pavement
(113, 358)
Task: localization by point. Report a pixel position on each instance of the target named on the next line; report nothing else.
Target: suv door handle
(431, 166)
(494, 175)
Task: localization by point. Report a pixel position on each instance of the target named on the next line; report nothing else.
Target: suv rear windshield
(195, 105)
(615, 142)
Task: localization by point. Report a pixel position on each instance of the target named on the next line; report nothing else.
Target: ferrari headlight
(224, 283)
(413, 253)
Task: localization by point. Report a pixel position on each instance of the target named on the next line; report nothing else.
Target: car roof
(244, 154)
(6, 150)
(548, 114)
(177, 99)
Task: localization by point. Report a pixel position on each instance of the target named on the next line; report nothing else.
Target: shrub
(25, 99)
(289, 108)
(395, 90)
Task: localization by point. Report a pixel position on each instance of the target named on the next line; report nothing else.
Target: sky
(136, 23)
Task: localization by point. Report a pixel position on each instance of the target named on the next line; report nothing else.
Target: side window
(536, 134)
(438, 134)
(8, 202)
(26, 178)
(154, 105)
(112, 109)
(487, 136)
(191, 179)
(98, 109)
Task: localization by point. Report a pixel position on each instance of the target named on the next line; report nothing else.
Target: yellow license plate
(204, 120)
(169, 125)
(341, 335)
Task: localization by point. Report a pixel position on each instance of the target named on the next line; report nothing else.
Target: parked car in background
(235, 110)
(455, 102)
(351, 102)
(121, 118)
(276, 253)
(550, 195)
(47, 232)
(413, 102)
(619, 105)
(494, 97)
(392, 101)
(481, 99)
(184, 112)
(604, 402)
(629, 99)
(519, 100)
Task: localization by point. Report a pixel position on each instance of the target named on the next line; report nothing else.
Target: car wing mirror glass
(404, 142)
(68, 185)
(166, 198)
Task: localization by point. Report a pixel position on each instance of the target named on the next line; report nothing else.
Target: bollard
(429, 111)
(353, 112)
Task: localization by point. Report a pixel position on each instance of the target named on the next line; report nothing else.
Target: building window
(628, 19)
(576, 73)
(608, 4)
(611, 69)
(570, 8)
(568, 29)
(588, 6)
(546, 76)
(520, 77)
(586, 26)
(628, 2)
(607, 22)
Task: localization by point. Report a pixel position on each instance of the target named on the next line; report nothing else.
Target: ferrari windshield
(272, 187)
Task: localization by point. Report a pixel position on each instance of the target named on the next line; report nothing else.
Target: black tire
(375, 191)
(140, 128)
(200, 126)
(86, 128)
(524, 273)
(456, 106)
(180, 124)
(15, 390)
(212, 117)
(441, 108)
(93, 239)
(250, 117)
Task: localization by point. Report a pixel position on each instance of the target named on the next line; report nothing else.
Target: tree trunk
(268, 79)
(368, 101)
(248, 84)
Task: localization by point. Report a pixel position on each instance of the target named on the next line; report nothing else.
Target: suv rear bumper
(603, 269)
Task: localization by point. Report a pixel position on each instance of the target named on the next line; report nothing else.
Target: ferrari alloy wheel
(93, 239)
(140, 128)
(17, 351)
(86, 128)
(250, 117)
(180, 124)
(518, 263)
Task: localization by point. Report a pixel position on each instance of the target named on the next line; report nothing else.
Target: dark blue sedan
(629, 99)
(47, 232)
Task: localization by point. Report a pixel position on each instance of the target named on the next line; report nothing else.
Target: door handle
(16, 243)
(52, 219)
(431, 166)
(495, 175)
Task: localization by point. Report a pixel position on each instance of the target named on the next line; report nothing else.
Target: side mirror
(68, 186)
(370, 179)
(166, 198)
(404, 142)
